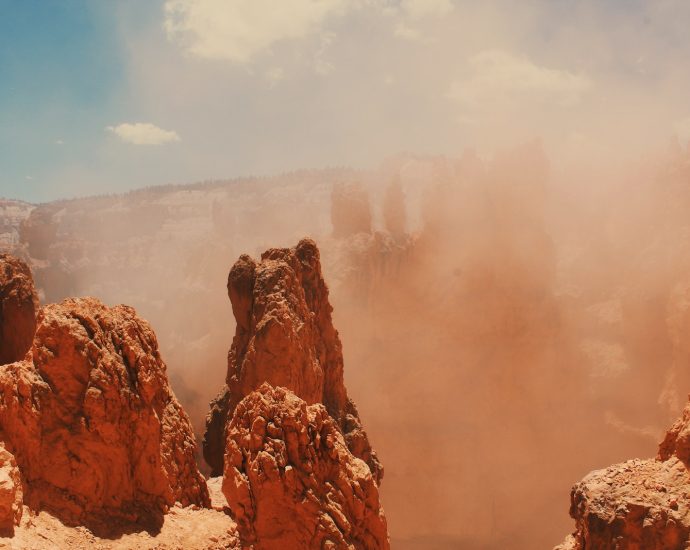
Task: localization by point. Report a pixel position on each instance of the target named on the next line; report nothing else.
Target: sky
(104, 96)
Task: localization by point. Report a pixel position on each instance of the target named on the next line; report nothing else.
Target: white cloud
(412, 13)
(418, 9)
(239, 30)
(499, 77)
(143, 133)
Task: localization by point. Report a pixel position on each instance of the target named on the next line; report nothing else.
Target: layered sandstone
(639, 504)
(91, 419)
(291, 480)
(18, 308)
(285, 336)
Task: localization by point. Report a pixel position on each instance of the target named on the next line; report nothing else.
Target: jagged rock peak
(639, 503)
(285, 336)
(92, 421)
(18, 309)
(291, 481)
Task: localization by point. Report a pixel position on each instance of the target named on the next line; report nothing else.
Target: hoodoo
(285, 336)
(91, 420)
(299, 471)
(292, 482)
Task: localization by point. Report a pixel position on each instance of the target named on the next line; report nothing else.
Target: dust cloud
(510, 321)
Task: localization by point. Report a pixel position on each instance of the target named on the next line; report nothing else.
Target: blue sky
(104, 96)
(61, 75)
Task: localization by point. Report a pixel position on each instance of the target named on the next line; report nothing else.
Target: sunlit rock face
(91, 420)
(11, 494)
(291, 481)
(639, 503)
(285, 336)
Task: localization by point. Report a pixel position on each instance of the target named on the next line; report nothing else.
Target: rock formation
(350, 210)
(39, 230)
(90, 417)
(285, 336)
(18, 308)
(12, 214)
(639, 503)
(291, 481)
(10, 492)
(394, 210)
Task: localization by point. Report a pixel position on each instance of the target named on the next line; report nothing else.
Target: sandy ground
(183, 529)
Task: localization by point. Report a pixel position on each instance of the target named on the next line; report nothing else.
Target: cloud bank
(240, 30)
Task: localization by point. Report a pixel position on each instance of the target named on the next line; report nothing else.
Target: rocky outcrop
(10, 492)
(291, 480)
(18, 308)
(285, 336)
(639, 503)
(91, 419)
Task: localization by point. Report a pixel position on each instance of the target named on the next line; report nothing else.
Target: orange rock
(677, 439)
(639, 503)
(91, 419)
(18, 308)
(10, 492)
(291, 481)
(285, 336)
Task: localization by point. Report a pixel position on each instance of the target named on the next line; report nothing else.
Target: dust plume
(504, 332)
(512, 293)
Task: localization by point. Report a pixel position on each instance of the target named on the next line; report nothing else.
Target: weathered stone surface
(18, 308)
(92, 421)
(639, 504)
(677, 439)
(285, 336)
(11, 495)
(291, 481)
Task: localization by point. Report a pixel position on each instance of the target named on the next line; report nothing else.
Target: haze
(503, 226)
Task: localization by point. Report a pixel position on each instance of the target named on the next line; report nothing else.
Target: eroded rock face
(639, 504)
(285, 336)
(11, 496)
(291, 480)
(91, 419)
(18, 308)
